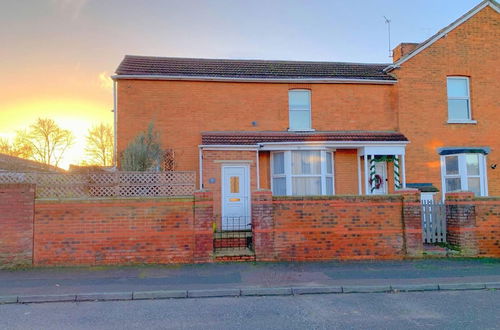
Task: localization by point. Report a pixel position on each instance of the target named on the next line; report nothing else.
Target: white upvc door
(235, 197)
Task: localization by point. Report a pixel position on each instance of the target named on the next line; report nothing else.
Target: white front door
(380, 182)
(235, 197)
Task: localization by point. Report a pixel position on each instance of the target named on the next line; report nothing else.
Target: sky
(56, 56)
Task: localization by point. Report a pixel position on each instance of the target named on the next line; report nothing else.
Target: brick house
(429, 119)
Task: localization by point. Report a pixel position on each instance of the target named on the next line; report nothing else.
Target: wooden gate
(433, 221)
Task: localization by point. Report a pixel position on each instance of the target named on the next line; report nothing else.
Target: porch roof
(253, 138)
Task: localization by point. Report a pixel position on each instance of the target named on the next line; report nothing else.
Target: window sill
(461, 122)
(301, 130)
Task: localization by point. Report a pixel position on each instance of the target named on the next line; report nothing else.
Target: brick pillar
(16, 224)
(203, 230)
(263, 225)
(412, 222)
(461, 222)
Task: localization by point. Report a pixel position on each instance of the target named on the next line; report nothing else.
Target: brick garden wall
(474, 224)
(16, 224)
(93, 232)
(488, 224)
(338, 227)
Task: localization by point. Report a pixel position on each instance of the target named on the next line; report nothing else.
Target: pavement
(245, 279)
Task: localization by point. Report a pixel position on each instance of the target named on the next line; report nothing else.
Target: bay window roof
(253, 138)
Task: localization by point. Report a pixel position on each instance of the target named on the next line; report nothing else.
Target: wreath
(376, 182)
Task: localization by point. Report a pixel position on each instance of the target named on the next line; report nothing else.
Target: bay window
(464, 171)
(302, 172)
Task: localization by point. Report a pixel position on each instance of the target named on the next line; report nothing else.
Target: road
(419, 310)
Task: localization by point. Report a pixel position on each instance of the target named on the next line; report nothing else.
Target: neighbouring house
(15, 164)
(430, 119)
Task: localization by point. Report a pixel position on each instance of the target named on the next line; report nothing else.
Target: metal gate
(235, 235)
(433, 221)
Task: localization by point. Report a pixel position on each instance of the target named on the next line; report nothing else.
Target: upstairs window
(299, 103)
(458, 99)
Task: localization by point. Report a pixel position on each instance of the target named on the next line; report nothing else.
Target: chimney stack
(402, 49)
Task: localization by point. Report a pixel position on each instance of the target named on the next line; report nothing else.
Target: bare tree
(47, 140)
(6, 147)
(100, 145)
(15, 148)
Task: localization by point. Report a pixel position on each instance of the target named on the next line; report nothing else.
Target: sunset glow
(57, 56)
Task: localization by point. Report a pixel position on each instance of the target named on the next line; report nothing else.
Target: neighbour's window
(458, 99)
(464, 172)
(302, 173)
(299, 102)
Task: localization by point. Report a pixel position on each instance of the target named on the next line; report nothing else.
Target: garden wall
(336, 227)
(16, 224)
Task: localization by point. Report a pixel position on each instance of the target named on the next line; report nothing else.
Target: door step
(437, 251)
(229, 254)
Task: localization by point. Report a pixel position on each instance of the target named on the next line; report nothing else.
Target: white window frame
(290, 128)
(462, 172)
(467, 98)
(288, 175)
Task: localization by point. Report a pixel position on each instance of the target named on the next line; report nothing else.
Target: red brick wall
(16, 224)
(470, 50)
(107, 231)
(474, 224)
(488, 225)
(327, 228)
(182, 110)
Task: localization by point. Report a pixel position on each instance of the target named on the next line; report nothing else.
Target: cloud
(71, 8)
(105, 81)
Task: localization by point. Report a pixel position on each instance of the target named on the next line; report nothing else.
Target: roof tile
(251, 138)
(250, 69)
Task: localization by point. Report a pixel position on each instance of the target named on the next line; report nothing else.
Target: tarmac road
(417, 310)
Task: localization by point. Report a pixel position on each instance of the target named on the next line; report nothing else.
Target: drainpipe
(115, 114)
(200, 155)
(257, 165)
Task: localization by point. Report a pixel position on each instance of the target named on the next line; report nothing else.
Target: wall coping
(488, 198)
(114, 199)
(338, 197)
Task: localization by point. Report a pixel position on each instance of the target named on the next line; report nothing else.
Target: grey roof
(249, 69)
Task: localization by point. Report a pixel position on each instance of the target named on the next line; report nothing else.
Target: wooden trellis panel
(106, 184)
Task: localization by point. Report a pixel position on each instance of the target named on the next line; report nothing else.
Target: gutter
(269, 80)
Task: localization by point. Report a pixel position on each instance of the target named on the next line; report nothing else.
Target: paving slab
(165, 294)
(8, 299)
(316, 290)
(266, 291)
(104, 296)
(365, 288)
(213, 293)
(492, 285)
(46, 298)
(462, 286)
(415, 287)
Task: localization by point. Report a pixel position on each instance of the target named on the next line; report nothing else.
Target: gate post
(203, 226)
(412, 222)
(263, 225)
(461, 222)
